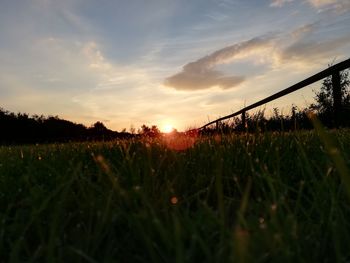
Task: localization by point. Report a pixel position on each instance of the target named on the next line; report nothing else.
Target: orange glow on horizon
(180, 142)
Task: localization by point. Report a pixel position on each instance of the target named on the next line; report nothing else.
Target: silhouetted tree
(155, 131)
(99, 127)
(324, 105)
(152, 131)
(21, 128)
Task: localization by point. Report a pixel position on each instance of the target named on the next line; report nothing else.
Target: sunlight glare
(167, 128)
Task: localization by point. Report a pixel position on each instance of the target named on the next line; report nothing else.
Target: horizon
(165, 63)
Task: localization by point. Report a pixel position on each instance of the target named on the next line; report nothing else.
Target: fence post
(217, 125)
(244, 123)
(336, 97)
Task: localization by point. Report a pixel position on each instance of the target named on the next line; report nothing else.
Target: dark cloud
(201, 74)
(187, 80)
(312, 49)
(302, 45)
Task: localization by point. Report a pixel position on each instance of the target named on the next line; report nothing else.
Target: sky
(163, 62)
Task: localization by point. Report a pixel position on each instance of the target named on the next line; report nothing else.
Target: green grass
(274, 197)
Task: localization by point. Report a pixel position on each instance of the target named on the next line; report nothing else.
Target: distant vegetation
(22, 128)
(298, 118)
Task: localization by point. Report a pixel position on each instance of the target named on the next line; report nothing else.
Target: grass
(243, 198)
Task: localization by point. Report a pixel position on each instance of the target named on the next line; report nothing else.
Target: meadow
(268, 197)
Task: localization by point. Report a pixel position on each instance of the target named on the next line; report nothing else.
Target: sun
(167, 128)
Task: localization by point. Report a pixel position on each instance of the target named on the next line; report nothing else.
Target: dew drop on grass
(262, 226)
(174, 200)
(329, 171)
(274, 207)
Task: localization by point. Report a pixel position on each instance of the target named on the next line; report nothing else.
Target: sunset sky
(179, 62)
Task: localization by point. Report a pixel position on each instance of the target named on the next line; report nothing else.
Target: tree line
(22, 128)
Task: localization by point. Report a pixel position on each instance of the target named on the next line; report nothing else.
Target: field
(273, 197)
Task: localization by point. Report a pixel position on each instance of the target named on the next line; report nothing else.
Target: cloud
(296, 49)
(304, 30)
(322, 3)
(69, 78)
(201, 74)
(205, 79)
(279, 3)
(305, 46)
(339, 6)
(312, 50)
